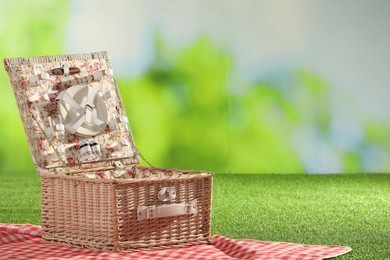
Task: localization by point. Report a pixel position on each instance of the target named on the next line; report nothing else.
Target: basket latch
(167, 194)
(171, 210)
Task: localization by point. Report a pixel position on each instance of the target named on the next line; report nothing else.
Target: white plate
(79, 94)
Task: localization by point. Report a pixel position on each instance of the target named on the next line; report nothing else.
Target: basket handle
(170, 210)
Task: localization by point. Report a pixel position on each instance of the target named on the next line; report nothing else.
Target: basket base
(103, 214)
(131, 246)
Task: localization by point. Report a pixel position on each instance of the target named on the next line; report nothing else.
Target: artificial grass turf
(351, 210)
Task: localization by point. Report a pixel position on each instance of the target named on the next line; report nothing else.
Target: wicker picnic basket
(94, 193)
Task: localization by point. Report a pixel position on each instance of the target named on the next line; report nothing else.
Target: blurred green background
(191, 103)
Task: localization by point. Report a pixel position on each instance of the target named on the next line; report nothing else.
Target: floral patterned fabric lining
(133, 172)
(39, 98)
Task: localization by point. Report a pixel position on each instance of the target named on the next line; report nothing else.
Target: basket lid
(72, 111)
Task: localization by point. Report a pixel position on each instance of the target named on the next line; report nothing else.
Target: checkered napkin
(24, 242)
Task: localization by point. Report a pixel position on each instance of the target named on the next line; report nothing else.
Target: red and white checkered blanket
(24, 242)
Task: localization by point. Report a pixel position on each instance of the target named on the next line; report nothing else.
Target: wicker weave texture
(94, 204)
(102, 214)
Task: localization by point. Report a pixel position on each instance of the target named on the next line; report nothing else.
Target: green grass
(351, 210)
